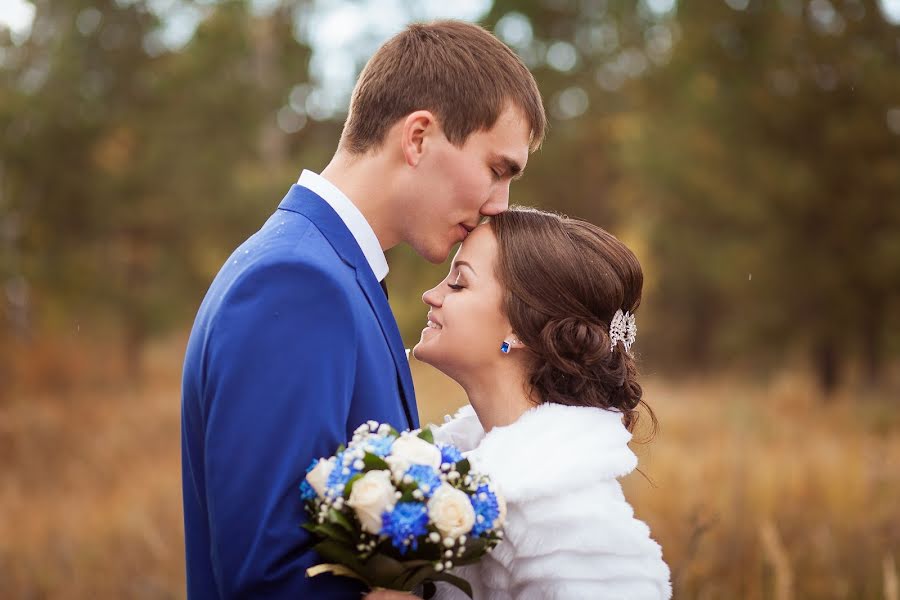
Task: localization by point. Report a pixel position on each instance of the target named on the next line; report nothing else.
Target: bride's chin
(422, 355)
(418, 354)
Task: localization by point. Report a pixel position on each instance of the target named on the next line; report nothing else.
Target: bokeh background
(747, 150)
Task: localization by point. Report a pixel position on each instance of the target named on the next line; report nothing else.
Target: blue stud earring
(504, 347)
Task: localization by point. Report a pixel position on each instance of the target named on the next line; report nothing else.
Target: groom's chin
(433, 250)
(437, 256)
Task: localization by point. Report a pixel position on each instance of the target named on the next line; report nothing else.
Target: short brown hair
(457, 70)
(564, 279)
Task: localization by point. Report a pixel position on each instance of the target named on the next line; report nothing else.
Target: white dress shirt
(352, 218)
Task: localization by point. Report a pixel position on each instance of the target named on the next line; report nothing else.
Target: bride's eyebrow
(461, 263)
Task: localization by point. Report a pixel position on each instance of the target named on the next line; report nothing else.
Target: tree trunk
(872, 340)
(136, 277)
(135, 338)
(828, 363)
(272, 141)
(703, 315)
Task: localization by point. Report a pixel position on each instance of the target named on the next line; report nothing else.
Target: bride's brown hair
(563, 280)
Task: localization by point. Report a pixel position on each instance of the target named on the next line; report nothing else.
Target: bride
(535, 321)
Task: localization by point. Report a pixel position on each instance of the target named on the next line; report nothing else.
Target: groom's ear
(417, 128)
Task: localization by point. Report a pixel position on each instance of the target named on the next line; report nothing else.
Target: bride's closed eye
(455, 285)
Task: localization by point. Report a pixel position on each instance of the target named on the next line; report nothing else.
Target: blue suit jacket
(294, 346)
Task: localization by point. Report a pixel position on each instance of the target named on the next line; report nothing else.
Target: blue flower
(406, 522)
(306, 491)
(487, 510)
(425, 477)
(450, 454)
(379, 445)
(338, 478)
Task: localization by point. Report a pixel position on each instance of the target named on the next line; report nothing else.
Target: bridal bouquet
(397, 511)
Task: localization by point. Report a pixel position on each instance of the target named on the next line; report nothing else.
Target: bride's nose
(432, 297)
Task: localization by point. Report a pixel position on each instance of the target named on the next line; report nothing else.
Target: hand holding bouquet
(398, 511)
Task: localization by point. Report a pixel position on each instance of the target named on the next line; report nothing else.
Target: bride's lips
(433, 324)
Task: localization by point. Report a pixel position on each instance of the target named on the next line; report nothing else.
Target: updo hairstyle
(564, 280)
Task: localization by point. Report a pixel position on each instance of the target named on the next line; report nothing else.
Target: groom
(294, 344)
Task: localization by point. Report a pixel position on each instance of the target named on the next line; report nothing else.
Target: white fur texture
(570, 533)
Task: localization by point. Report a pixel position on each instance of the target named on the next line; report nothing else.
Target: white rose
(410, 450)
(451, 511)
(318, 477)
(370, 496)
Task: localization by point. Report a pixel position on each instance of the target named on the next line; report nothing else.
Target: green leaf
(417, 576)
(475, 549)
(335, 552)
(430, 551)
(381, 570)
(463, 467)
(316, 528)
(340, 519)
(427, 435)
(375, 463)
(414, 564)
(459, 582)
(309, 526)
(349, 487)
(333, 532)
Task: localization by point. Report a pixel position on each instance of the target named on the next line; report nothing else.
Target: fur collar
(549, 449)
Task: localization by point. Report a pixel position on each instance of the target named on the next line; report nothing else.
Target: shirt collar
(352, 218)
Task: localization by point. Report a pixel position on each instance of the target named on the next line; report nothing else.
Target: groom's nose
(498, 201)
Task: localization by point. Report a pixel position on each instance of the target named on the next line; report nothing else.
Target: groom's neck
(367, 181)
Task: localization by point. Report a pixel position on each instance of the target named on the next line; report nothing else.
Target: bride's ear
(513, 342)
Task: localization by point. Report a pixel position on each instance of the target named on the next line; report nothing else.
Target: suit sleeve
(280, 377)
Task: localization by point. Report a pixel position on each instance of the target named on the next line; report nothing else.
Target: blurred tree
(773, 174)
(570, 46)
(126, 165)
(754, 146)
(746, 150)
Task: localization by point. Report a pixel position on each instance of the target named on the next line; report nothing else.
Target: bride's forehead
(480, 240)
(479, 247)
(477, 256)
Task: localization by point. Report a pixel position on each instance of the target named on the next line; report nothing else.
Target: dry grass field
(753, 491)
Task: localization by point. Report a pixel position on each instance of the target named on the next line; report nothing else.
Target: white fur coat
(569, 531)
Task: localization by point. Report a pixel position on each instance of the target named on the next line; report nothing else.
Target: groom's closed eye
(504, 166)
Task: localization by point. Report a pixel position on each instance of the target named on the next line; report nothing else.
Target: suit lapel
(305, 202)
